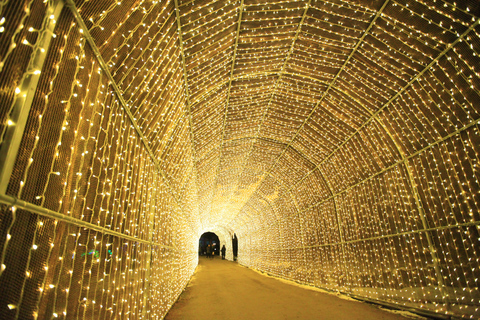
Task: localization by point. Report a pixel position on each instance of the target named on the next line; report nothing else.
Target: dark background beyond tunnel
(209, 238)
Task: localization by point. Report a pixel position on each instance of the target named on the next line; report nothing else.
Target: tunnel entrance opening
(206, 239)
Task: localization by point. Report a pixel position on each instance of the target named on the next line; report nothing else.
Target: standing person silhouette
(223, 252)
(209, 251)
(235, 247)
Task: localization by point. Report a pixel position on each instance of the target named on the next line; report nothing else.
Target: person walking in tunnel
(223, 252)
(209, 251)
(235, 247)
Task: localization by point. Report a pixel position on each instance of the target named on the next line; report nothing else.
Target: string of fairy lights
(320, 144)
(122, 189)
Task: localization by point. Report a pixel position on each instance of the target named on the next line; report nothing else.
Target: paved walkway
(223, 289)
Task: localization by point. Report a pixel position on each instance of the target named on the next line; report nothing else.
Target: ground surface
(225, 290)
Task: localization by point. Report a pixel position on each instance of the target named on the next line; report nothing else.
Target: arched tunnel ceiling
(270, 100)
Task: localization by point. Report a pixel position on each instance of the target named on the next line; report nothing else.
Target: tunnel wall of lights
(338, 140)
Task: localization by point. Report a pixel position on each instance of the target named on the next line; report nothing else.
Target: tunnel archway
(224, 238)
(209, 238)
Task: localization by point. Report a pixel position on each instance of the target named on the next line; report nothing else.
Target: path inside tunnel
(222, 289)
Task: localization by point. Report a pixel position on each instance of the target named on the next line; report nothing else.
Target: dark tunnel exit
(206, 239)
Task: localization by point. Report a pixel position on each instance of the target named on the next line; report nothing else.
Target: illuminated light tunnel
(339, 140)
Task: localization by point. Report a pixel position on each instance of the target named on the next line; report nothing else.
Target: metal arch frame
(289, 190)
(414, 79)
(249, 75)
(271, 208)
(426, 228)
(12, 138)
(418, 203)
(466, 127)
(148, 271)
(338, 218)
(280, 230)
(252, 75)
(405, 158)
(300, 153)
(292, 195)
(266, 173)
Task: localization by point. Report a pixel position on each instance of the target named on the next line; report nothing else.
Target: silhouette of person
(223, 252)
(235, 247)
(209, 251)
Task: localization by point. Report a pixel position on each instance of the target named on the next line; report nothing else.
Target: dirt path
(224, 290)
